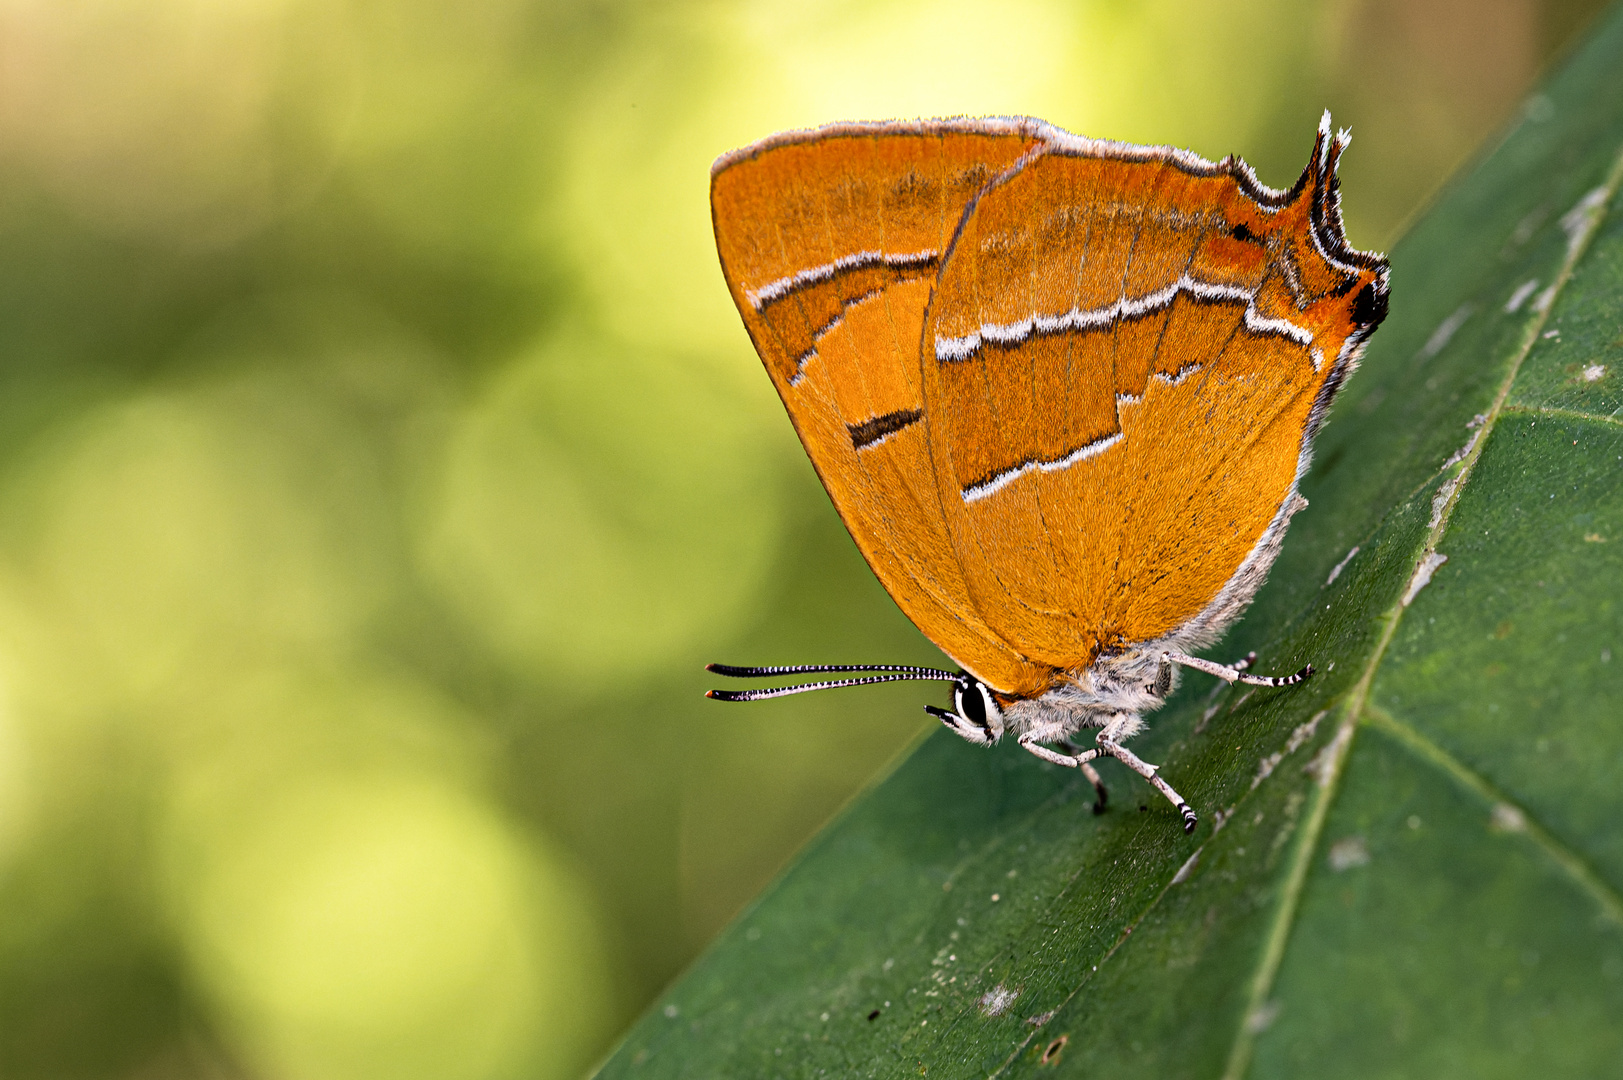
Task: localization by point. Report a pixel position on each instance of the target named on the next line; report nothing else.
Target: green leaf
(1410, 866)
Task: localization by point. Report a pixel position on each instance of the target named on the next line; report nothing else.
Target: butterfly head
(975, 713)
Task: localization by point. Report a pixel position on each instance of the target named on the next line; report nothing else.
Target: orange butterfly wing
(1124, 362)
(831, 242)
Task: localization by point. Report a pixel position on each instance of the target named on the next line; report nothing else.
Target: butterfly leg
(1162, 686)
(1236, 672)
(1109, 745)
(1073, 758)
(1081, 757)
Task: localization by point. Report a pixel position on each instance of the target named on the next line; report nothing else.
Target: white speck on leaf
(996, 1001)
(1262, 1017)
(1519, 297)
(1422, 576)
(1301, 734)
(1439, 501)
(1445, 330)
(1581, 220)
(1187, 868)
(1265, 768)
(1304, 732)
(1342, 565)
(1321, 764)
(1507, 818)
(1348, 853)
(1594, 373)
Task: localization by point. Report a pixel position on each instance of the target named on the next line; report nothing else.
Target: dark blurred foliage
(381, 460)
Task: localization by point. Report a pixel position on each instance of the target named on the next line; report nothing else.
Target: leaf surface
(1409, 866)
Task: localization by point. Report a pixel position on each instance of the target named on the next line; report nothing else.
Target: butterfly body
(1060, 390)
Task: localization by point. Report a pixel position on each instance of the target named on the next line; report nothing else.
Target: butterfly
(1061, 391)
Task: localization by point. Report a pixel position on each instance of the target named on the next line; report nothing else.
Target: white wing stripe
(782, 287)
(976, 492)
(949, 349)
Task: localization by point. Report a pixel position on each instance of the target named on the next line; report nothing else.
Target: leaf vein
(1575, 865)
(1566, 414)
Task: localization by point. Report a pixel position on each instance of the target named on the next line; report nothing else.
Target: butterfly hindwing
(1124, 359)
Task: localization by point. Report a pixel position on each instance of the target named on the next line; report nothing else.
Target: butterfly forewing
(831, 242)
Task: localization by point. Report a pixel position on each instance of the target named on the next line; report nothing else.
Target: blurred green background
(381, 459)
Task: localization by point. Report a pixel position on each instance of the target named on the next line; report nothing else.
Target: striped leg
(1108, 742)
(1148, 772)
(1074, 758)
(1235, 673)
(1102, 796)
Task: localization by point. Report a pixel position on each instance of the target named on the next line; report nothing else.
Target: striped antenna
(893, 673)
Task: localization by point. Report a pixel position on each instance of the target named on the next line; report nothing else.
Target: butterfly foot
(1189, 818)
(1306, 673)
(1101, 796)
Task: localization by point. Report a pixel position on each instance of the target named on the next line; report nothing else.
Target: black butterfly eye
(970, 704)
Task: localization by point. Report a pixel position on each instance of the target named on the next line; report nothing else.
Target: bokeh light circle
(390, 926)
(606, 510)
